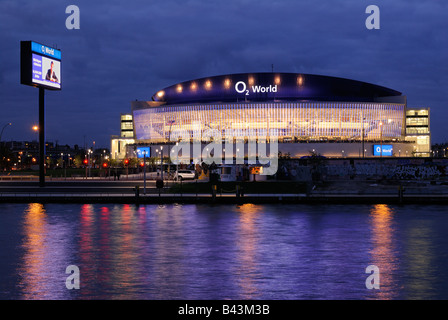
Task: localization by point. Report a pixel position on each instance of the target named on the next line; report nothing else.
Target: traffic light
(86, 161)
(126, 162)
(105, 165)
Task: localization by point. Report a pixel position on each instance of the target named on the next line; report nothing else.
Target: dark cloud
(127, 50)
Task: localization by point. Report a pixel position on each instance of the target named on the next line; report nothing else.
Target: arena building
(308, 114)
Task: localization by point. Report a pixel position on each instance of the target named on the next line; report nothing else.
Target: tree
(133, 162)
(77, 161)
(49, 162)
(114, 162)
(61, 162)
(317, 163)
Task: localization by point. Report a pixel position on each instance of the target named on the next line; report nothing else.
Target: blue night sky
(127, 50)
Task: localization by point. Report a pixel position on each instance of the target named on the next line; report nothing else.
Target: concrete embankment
(344, 192)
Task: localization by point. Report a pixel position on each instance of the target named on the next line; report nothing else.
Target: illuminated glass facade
(290, 121)
(417, 130)
(295, 108)
(127, 126)
(119, 143)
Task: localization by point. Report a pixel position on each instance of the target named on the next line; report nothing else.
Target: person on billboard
(51, 75)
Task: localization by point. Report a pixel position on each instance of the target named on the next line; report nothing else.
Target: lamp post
(381, 139)
(1, 133)
(161, 162)
(177, 159)
(64, 166)
(363, 153)
(144, 172)
(35, 128)
(155, 162)
(90, 162)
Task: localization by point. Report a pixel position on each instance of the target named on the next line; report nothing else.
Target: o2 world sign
(241, 87)
(387, 150)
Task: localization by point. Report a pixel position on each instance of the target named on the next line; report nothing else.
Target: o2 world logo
(241, 87)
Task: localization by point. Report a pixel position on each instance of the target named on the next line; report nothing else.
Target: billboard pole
(40, 66)
(41, 137)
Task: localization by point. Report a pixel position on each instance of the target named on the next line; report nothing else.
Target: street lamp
(381, 138)
(64, 166)
(161, 162)
(177, 159)
(90, 162)
(35, 128)
(144, 172)
(363, 153)
(1, 133)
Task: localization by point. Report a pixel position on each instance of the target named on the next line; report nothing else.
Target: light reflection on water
(223, 251)
(248, 241)
(383, 253)
(34, 260)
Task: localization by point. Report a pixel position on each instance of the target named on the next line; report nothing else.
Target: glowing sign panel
(40, 65)
(143, 152)
(387, 150)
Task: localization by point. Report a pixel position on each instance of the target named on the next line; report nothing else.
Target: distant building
(119, 143)
(27, 153)
(418, 131)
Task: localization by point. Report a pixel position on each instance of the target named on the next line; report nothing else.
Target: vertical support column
(144, 172)
(41, 137)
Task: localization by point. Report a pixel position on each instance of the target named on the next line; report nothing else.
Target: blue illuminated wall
(387, 150)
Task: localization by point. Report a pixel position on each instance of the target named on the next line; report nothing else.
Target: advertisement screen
(46, 71)
(143, 151)
(40, 65)
(387, 150)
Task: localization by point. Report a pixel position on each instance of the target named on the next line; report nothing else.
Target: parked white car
(184, 174)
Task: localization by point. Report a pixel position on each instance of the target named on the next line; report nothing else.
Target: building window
(126, 126)
(127, 134)
(423, 130)
(126, 117)
(417, 121)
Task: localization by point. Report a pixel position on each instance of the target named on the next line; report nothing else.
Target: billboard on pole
(40, 65)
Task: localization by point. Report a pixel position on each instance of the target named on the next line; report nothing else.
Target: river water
(286, 252)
